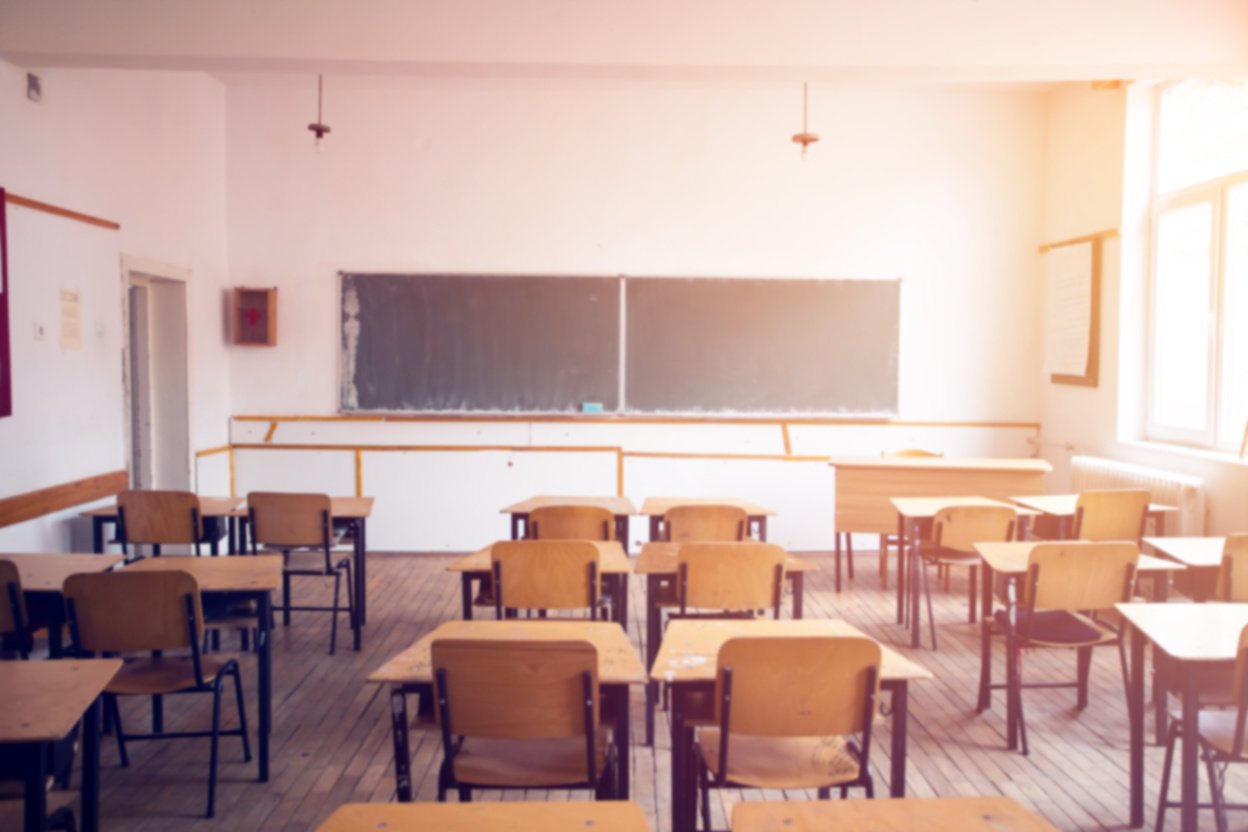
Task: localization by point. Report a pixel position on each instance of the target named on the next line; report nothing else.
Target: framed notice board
(6, 356)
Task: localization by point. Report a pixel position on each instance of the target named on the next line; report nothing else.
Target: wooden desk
(656, 507)
(216, 512)
(687, 662)
(658, 563)
(621, 507)
(411, 672)
(603, 816)
(40, 702)
(1201, 555)
(911, 514)
(933, 814)
(351, 513)
(43, 576)
(1010, 560)
(237, 579)
(613, 566)
(1190, 635)
(1063, 507)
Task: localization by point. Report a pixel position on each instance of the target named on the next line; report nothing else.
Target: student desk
(237, 579)
(934, 814)
(912, 513)
(40, 702)
(1062, 507)
(1190, 635)
(656, 507)
(658, 564)
(411, 672)
(1201, 555)
(687, 662)
(43, 576)
(1010, 560)
(613, 567)
(580, 816)
(621, 507)
(216, 513)
(351, 513)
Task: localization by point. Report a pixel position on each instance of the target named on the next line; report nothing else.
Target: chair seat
(1058, 628)
(1215, 725)
(527, 763)
(951, 557)
(167, 674)
(781, 762)
(308, 561)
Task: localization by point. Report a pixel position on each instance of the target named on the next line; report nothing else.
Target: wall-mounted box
(255, 316)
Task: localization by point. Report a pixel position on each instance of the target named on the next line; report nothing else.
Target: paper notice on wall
(1068, 282)
(71, 320)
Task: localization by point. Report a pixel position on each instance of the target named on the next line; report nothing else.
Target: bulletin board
(6, 356)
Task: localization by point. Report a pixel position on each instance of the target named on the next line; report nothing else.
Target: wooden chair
(1232, 583)
(1221, 730)
(14, 623)
(158, 518)
(300, 526)
(546, 575)
(1065, 586)
(124, 613)
(521, 715)
(783, 708)
(955, 531)
(886, 540)
(1112, 514)
(571, 523)
(730, 579)
(705, 522)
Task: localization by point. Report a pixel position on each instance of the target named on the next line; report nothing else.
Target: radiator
(1185, 492)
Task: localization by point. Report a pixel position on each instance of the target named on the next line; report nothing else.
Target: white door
(160, 453)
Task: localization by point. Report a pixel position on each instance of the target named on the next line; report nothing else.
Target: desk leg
(1135, 717)
(916, 563)
(402, 756)
(97, 533)
(621, 600)
(515, 526)
(655, 531)
(1190, 745)
(1013, 692)
(465, 594)
(653, 623)
(91, 768)
(901, 569)
(212, 527)
(684, 799)
(361, 574)
(615, 697)
(761, 525)
(799, 592)
(36, 815)
(264, 665)
(985, 640)
(901, 719)
(621, 530)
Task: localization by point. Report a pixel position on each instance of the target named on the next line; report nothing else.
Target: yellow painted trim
(233, 490)
(359, 473)
(268, 437)
(788, 443)
(435, 448)
(619, 473)
(222, 449)
(657, 420)
(1086, 238)
(774, 457)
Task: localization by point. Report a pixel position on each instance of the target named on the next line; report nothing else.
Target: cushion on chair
(1056, 627)
(167, 674)
(528, 763)
(781, 762)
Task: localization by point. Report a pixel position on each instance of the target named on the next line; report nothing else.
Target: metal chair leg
(286, 599)
(242, 713)
(115, 709)
(212, 753)
(333, 627)
(1173, 735)
(927, 591)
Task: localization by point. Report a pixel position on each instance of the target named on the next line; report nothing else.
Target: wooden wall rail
(56, 210)
(632, 419)
(32, 504)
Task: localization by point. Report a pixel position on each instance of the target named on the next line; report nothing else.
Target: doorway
(156, 372)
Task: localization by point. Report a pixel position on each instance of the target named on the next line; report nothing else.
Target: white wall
(145, 149)
(1098, 149)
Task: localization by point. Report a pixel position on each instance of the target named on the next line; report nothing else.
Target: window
(1198, 325)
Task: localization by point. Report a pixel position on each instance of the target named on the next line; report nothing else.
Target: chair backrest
(1075, 575)
(913, 453)
(284, 520)
(730, 576)
(515, 690)
(708, 522)
(1112, 514)
(13, 620)
(961, 527)
(545, 574)
(1233, 574)
(571, 523)
(131, 611)
(798, 686)
(159, 517)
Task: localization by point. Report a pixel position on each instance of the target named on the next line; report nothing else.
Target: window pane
(1234, 396)
(1202, 132)
(1181, 318)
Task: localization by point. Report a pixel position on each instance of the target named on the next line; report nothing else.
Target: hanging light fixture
(804, 138)
(318, 127)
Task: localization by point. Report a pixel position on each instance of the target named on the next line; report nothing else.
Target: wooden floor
(331, 733)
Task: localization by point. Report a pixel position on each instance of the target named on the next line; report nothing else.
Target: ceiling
(831, 40)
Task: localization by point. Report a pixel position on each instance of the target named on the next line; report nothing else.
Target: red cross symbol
(253, 316)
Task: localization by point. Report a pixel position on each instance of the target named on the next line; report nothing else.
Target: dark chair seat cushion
(1052, 626)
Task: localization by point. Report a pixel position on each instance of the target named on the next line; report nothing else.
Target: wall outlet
(41, 331)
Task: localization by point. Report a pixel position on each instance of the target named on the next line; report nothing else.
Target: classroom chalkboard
(439, 342)
(452, 343)
(769, 346)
